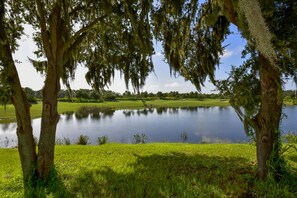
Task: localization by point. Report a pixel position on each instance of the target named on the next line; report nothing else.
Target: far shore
(7, 113)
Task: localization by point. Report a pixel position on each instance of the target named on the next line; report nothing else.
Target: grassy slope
(150, 170)
(7, 115)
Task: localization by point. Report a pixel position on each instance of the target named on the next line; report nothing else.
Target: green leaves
(192, 38)
(122, 42)
(243, 88)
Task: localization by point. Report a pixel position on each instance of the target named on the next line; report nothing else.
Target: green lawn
(7, 114)
(150, 170)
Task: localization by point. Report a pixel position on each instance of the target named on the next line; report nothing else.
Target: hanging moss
(258, 28)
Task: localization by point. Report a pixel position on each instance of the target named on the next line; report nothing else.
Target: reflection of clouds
(8, 128)
(206, 137)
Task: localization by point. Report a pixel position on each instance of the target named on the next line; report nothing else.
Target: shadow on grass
(52, 188)
(170, 175)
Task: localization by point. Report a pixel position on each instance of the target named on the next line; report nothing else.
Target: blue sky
(160, 80)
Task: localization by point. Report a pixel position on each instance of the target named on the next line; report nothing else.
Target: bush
(83, 140)
(140, 138)
(102, 140)
(67, 141)
(64, 141)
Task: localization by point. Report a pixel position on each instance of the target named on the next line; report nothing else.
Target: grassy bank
(150, 170)
(7, 115)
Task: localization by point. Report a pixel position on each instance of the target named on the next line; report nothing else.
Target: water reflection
(128, 113)
(187, 124)
(68, 115)
(92, 112)
(8, 126)
(161, 110)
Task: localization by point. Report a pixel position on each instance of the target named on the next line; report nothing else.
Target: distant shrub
(59, 141)
(67, 141)
(83, 140)
(140, 138)
(64, 141)
(102, 140)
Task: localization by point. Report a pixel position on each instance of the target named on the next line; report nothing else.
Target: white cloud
(227, 53)
(173, 85)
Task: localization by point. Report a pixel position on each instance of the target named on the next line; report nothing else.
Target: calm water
(210, 124)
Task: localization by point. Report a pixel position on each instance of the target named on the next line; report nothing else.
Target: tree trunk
(268, 118)
(49, 121)
(26, 144)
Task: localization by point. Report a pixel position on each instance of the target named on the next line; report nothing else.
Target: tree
(159, 94)
(82, 94)
(30, 94)
(103, 35)
(10, 31)
(192, 37)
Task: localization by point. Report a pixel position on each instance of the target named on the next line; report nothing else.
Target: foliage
(290, 137)
(30, 95)
(192, 37)
(102, 140)
(83, 140)
(11, 29)
(246, 102)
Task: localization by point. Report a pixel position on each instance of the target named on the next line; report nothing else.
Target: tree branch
(78, 34)
(44, 32)
(72, 48)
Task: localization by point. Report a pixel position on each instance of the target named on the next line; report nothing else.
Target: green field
(7, 114)
(150, 170)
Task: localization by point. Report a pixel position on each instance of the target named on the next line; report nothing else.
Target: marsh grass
(63, 141)
(83, 140)
(102, 140)
(151, 170)
(140, 138)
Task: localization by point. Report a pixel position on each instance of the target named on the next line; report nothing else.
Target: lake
(198, 124)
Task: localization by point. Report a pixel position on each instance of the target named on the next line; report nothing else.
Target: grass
(8, 115)
(151, 170)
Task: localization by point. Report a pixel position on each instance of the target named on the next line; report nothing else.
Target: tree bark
(49, 121)
(268, 118)
(26, 144)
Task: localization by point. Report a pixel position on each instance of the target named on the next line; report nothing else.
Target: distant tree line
(88, 95)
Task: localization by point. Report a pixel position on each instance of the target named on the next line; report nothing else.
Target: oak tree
(102, 35)
(192, 36)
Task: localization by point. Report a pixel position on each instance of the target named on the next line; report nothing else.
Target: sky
(159, 80)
